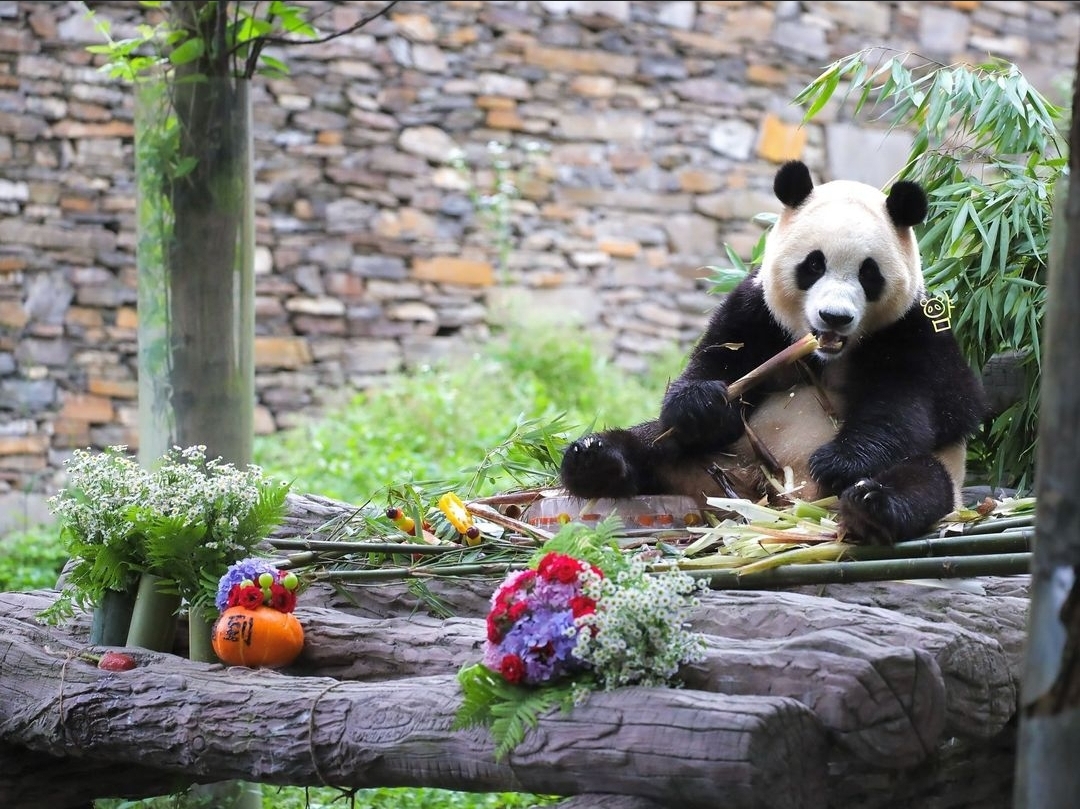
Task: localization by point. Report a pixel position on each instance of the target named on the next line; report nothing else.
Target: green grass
(440, 423)
(31, 558)
(330, 798)
(435, 424)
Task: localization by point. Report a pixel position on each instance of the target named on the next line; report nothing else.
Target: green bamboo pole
(381, 574)
(792, 575)
(1006, 542)
(331, 546)
(112, 618)
(1000, 524)
(200, 635)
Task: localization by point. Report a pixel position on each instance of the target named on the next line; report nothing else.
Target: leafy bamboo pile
(744, 545)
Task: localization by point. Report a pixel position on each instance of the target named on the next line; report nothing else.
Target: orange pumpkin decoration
(259, 637)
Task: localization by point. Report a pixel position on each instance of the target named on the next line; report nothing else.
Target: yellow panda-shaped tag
(938, 311)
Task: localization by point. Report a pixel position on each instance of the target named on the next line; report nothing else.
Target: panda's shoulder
(915, 339)
(746, 300)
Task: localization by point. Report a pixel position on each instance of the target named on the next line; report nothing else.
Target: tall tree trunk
(1047, 775)
(197, 298)
(196, 275)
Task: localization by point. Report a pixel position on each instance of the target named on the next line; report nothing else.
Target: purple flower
(544, 640)
(250, 568)
(532, 622)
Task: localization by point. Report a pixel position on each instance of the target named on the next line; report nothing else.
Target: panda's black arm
(741, 335)
(876, 434)
(909, 392)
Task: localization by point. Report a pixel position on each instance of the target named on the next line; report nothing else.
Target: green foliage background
(440, 423)
(989, 149)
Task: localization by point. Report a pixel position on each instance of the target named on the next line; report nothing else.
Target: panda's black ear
(906, 204)
(793, 184)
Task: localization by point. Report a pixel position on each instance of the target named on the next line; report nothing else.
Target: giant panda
(879, 414)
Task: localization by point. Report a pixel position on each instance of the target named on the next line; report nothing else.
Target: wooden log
(981, 677)
(980, 687)
(33, 780)
(597, 801)
(995, 607)
(885, 703)
(884, 706)
(466, 596)
(975, 774)
(313, 516)
(199, 720)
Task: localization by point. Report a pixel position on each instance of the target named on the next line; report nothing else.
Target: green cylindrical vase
(153, 620)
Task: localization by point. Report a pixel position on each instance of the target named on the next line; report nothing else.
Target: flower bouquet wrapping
(583, 616)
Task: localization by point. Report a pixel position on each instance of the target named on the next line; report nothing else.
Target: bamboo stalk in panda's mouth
(802, 347)
(796, 351)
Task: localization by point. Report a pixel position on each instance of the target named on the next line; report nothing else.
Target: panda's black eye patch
(873, 283)
(810, 269)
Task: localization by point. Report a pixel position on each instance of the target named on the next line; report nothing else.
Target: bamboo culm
(998, 564)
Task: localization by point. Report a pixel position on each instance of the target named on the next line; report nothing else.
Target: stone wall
(641, 138)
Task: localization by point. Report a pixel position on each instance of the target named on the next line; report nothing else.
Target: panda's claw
(592, 467)
(867, 490)
(867, 513)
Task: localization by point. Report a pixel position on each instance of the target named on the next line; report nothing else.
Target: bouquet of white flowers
(185, 520)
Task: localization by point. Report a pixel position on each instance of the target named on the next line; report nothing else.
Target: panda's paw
(596, 466)
(834, 468)
(699, 414)
(870, 514)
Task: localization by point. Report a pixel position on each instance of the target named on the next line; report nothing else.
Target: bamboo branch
(492, 515)
(974, 542)
(999, 524)
(802, 347)
(998, 564)
(807, 344)
(428, 572)
(518, 498)
(329, 545)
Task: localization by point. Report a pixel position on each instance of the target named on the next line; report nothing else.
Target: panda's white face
(837, 266)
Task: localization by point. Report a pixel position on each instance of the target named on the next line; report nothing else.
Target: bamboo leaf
(825, 92)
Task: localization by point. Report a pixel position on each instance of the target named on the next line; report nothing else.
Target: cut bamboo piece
(796, 351)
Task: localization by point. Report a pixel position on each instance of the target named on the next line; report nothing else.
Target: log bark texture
(849, 628)
(191, 719)
(885, 704)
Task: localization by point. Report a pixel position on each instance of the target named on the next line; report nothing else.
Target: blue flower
(250, 568)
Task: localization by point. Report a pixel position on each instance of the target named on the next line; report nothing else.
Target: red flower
(502, 600)
(512, 668)
(525, 581)
(516, 610)
(250, 597)
(494, 632)
(234, 596)
(281, 598)
(582, 605)
(559, 567)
